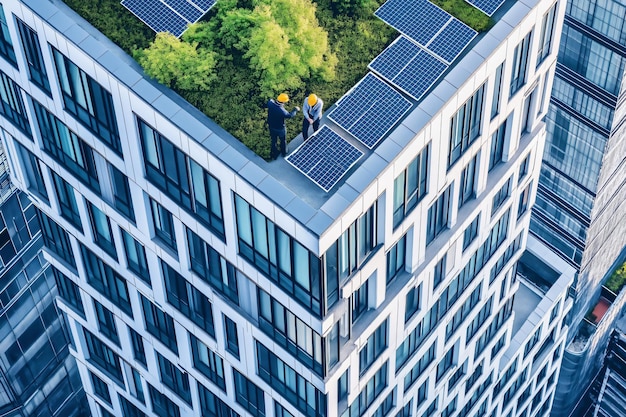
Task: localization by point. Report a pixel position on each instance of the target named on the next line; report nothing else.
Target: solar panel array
(489, 7)
(324, 158)
(408, 67)
(369, 110)
(452, 39)
(420, 20)
(168, 15)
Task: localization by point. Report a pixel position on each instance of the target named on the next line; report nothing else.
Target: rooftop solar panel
(487, 6)
(451, 41)
(393, 59)
(157, 16)
(168, 15)
(420, 20)
(188, 10)
(369, 110)
(324, 158)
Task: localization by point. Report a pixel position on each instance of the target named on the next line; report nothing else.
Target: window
(212, 267)
(467, 186)
(532, 342)
(68, 291)
(100, 388)
(343, 386)
(396, 259)
(280, 257)
(287, 330)
(462, 313)
(413, 302)
(32, 172)
(67, 148)
(212, 406)
(67, 201)
(102, 233)
(524, 199)
(56, 239)
(446, 363)
(106, 322)
(410, 186)
(139, 352)
(457, 376)
(520, 64)
(501, 196)
(523, 169)
(128, 409)
(369, 393)
(135, 386)
(527, 113)
(103, 357)
(248, 395)
(34, 59)
(438, 215)
(349, 252)
(182, 179)
(471, 232)
(439, 272)
(108, 282)
(545, 38)
(465, 126)
(161, 405)
(12, 104)
(187, 299)
(136, 257)
(280, 411)
(495, 326)
(497, 91)
(6, 45)
(208, 362)
(174, 378)
(232, 339)
(288, 383)
(163, 223)
(159, 324)
(386, 406)
(87, 101)
(360, 301)
(374, 347)
(478, 321)
(104, 412)
(122, 200)
(420, 367)
(450, 408)
(497, 146)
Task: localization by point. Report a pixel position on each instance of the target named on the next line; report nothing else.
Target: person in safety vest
(312, 110)
(276, 115)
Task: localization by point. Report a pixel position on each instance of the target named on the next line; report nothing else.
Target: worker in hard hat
(276, 115)
(312, 110)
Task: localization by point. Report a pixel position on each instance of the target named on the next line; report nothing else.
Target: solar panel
(369, 110)
(168, 15)
(408, 67)
(189, 11)
(489, 7)
(324, 158)
(451, 41)
(420, 20)
(157, 16)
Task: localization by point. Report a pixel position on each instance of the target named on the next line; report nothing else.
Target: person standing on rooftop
(276, 115)
(312, 110)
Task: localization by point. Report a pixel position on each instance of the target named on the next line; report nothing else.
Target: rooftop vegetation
(247, 51)
(617, 280)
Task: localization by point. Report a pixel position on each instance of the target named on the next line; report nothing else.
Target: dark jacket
(276, 115)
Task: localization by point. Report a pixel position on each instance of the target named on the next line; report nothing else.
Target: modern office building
(199, 279)
(38, 376)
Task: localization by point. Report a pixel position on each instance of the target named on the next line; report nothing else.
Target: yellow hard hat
(312, 100)
(282, 98)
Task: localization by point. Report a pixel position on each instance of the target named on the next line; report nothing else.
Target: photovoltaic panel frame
(419, 20)
(451, 41)
(369, 110)
(408, 67)
(171, 16)
(489, 7)
(324, 158)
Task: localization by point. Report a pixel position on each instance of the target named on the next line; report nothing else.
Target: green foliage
(352, 7)
(177, 64)
(466, 13)
(281, 40)
(617, 280)
(116, 22)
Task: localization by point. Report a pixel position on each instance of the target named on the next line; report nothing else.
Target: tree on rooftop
(282, 41)
(178, 64)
